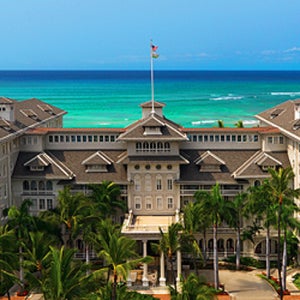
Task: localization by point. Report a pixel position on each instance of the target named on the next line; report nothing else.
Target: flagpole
(152, 78)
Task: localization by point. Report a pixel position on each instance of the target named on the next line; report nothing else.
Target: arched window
(148, 183)
(41, 185)
(230, 245)
(220, 245)
(146, 146)
(33, 185)
(25, 185)
(160, 147)
(137, 183)
(138, 147)
(152, 146)
(256, 183)
(49, 185)
(167, 146)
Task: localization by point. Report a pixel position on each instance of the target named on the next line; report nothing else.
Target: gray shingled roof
(28, 113)
(234, 159)
(282, 116)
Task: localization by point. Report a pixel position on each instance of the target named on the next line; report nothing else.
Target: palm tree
(239, 203)
(279, 187)
(288, 222)
(8, 259)
(261, 205)
(168, 245)
(119, 253)
(64, 278)
(106, 197)
(191, 223)
(217, 210)
(36, 251)
(239, 124)
(221, 124)
(193, 288)
(22, 223)
(70, 212)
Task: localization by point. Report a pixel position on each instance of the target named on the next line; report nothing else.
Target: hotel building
(158, 164)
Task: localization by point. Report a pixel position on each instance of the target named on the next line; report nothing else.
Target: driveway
(243, 285)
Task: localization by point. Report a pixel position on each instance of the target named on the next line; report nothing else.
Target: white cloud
(294, 49)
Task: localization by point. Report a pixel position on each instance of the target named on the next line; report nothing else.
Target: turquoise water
(193, 99)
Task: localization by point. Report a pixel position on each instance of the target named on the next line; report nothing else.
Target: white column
(178, 266)
(162, 278)
(145, 266)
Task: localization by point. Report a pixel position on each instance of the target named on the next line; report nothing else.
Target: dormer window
(152, 130)
(98, 162)
(96, 168)
(37, 168)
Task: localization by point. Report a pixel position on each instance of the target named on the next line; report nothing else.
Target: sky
(116, 34)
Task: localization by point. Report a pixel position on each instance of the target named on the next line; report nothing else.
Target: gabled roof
(283, 117)
(39, 160)
(4, 100)
(169, 132)
(240, 164)
(209, 158)
(98, 158)
(55, 168)
(27, 113)
(252, 167)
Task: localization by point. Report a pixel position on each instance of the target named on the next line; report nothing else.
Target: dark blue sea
(192, 98)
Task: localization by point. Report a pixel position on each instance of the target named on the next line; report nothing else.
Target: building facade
(158, 164)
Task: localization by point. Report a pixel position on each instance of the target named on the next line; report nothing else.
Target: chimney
(7, 109)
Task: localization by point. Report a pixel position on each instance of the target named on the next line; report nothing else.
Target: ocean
(193, 98)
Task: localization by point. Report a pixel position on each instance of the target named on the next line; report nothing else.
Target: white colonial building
(157, 163)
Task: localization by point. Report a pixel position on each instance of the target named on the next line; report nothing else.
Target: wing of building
(158, 164)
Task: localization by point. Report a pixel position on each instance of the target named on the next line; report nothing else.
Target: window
(67, 139)
(101, 138)
(148, 203)
(25, 185)
(61, 138)
(84, 138)
(194, 138)
(158, 183)
(211, 138)
(137, 203)
(50, 139)
(170, 184)
(90, 138)
(33, 186)
(107, 138)
(217, 138)
(137, 183)
(95, 138)
(41, 185)
(159, 203)
(49, 185)
(148, 184)
(138, 147)
(233, 138)
(56, 138)
(255, 138)
(170, 202)
(167, 147)
(112, 138)
(281, 140)
(73, 138)
(270, 140)
(244, 138)
(49, 203)
(200, 138)
(228, 138)
(42, 204)
(222, 138)
(239, 138)
(206, 138)
(79, 138)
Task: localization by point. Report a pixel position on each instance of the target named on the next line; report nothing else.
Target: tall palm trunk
(268, 266)
(173, 272)
(279, 249)
(204, 251)
(114, 290)
(284, 260)
(216, 263)
(238, 248)
(21, 275)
